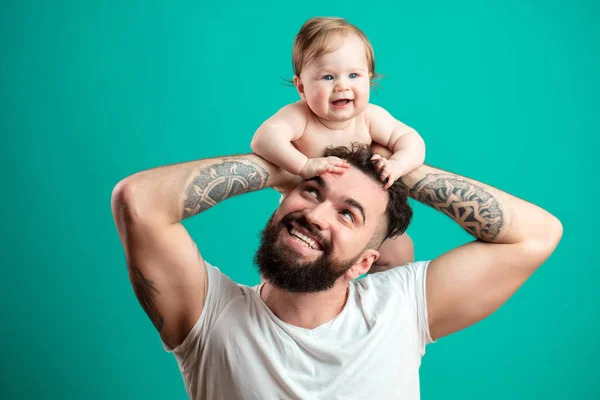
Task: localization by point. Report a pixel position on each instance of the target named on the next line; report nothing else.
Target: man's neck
(306, 310)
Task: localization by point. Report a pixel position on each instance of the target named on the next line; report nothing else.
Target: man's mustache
(301, 221)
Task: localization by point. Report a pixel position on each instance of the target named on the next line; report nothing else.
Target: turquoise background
(92, 91)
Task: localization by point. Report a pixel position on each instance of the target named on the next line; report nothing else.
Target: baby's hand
(389, 170)
(321, 165)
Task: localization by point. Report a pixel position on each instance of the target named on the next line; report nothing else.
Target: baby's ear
(299, 86)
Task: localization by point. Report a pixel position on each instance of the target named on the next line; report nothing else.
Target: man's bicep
(469, 283)
(168, 277)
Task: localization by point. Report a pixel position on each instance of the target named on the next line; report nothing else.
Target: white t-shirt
(239, 349)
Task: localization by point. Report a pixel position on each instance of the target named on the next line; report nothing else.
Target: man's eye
(328, 77)
(312, 191)
(348, 215)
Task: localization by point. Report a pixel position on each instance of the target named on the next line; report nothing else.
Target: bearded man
(311, 329)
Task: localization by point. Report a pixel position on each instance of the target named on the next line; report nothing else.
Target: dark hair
(398, 211)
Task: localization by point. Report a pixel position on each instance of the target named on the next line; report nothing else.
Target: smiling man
(311, 329)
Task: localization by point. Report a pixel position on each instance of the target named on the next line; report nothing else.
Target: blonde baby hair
(318, 36)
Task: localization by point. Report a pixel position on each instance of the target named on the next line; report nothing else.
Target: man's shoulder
(396, 279)
(220, 284)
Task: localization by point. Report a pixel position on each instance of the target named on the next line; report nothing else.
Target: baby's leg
(393, 253)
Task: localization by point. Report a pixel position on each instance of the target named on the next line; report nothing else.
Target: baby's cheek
(323, 96)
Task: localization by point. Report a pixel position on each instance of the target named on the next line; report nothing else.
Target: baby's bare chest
(317, 138)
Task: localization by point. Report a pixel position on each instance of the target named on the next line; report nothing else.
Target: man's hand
(289, 182)
(321, 165)
(389, 170)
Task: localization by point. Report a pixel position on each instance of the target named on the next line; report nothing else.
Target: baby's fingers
(379, 163)
(391, 179)
(385, 174)
(336, 170)
(389, 182)
(339, 162)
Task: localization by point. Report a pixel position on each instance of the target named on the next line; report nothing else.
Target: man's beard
(277, 263)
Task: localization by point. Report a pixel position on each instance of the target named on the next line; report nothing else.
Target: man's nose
(318, 216)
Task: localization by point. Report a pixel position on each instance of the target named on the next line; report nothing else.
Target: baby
(334, 65)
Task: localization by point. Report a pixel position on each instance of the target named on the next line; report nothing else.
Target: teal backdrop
(92, 91)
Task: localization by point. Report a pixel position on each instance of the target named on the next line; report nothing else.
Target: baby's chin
(337, 117)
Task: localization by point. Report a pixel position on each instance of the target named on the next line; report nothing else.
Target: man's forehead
(356, 185)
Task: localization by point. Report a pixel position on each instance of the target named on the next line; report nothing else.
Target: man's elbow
(124, 204)
(254, 143)
(542, 247)
(555, 232)
(551, 232)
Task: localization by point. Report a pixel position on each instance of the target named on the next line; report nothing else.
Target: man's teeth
(310, 242)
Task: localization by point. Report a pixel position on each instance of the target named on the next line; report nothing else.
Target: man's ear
(299, 86)
(363, 264)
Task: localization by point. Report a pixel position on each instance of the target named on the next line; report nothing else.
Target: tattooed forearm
(220, 181)
(145, 291)
(468, 203)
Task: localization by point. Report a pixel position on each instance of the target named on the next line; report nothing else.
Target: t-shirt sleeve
(221, 291)
(410, 281)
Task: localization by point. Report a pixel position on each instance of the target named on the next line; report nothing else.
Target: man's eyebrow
(318, 180)
(355, 204)
(349, 201)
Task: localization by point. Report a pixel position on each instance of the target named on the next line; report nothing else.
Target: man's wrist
(275, 176)
(414, 176)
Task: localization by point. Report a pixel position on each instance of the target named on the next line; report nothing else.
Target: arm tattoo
(468, 203)
(145, 291)
(220, 181)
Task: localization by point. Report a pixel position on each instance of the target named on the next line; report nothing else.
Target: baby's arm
(273, 142)
(407, 146)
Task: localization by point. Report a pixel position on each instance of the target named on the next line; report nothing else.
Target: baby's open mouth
(341, 102)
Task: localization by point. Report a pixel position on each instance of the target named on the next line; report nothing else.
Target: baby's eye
(353, 75)
(328, 77)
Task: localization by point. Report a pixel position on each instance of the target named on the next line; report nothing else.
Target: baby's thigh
(394, 252)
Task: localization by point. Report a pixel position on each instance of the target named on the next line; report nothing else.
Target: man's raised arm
(166, 270)
(468, 283)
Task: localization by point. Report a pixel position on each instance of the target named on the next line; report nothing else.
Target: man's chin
(297, 254)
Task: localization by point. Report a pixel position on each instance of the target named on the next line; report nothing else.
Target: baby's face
(336, 86)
